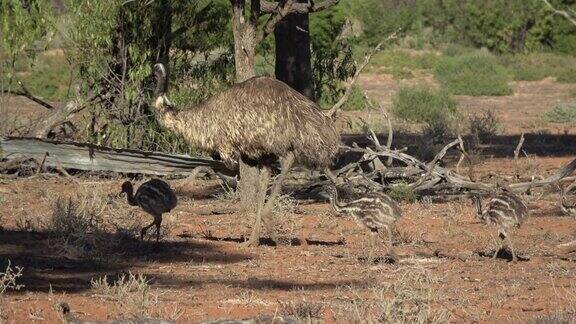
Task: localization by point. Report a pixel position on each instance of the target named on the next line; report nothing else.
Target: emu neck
(130, 196)
(335, 203)
(191, 123)
(165, 114)
(478, 207)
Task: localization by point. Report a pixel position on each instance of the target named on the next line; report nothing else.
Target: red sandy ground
(204, 279)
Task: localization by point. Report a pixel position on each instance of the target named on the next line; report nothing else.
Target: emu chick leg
(145, 229)
(158, 222)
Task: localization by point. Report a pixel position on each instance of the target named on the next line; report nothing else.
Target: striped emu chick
(507, 212)
(155, 197)
(568, 200)
(374, 211)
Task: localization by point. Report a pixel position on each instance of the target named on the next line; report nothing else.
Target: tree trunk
(244, 31)
(244, 43)
(293, 56)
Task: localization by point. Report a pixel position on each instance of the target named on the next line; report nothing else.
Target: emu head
(477, 206)
(160, 75)
(63, 307)
(127, 188)
(331, 192)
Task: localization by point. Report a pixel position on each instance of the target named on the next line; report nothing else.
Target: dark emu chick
(155, 197)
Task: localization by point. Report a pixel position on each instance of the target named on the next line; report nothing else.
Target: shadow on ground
(45, 267)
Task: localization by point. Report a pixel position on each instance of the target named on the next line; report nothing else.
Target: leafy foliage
(115, 45)
(24, 26)
(473, 74)
(380, 18)
(332, 60)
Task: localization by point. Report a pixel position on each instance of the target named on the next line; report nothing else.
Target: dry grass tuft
(282, 219)
(131, 292)
(408, 299)
(557, 318)
(80, 229)
(303, 310)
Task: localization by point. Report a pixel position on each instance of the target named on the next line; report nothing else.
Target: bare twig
(437, 158)
(516, 154)
(388, 120)
(281, 11)
(562, 13)
(350, 84)
(309, 7)
(25, 93)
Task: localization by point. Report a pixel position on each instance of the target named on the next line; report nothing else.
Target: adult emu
(258, 122)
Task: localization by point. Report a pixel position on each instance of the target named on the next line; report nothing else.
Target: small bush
(561, 114)
(422, 105)
(475, 74)
(402, 192)
(438, 129)
(485, 125)
(77, 227)
(537, 66)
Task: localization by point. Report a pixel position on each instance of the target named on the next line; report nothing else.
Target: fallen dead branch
(427, 179)
(83, 156)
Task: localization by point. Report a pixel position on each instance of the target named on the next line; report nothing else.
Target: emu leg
(511, 245)
(500, 245)
(158, 222)
(247, 188)
(286, 164)
(264, 177)
(391, 251)
(145, 229)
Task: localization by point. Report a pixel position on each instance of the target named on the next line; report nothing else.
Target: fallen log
(89, 157)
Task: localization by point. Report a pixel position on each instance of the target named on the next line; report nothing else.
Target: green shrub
(484, 126)
(567, 75)
(423, 105)
(453, 50)
(356, 101)
(402, 192)
(537, 66)
(561, 114)
(475, 74)
(401, 63)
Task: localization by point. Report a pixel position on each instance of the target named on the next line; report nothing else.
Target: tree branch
(25, 93)
(282, 10)
(271, 6)
(562, 13)
(349, 85)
